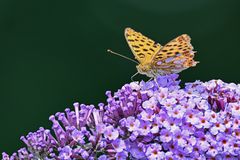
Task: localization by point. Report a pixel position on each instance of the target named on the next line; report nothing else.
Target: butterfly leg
(155, 79)
(133, 76)
(150, 79)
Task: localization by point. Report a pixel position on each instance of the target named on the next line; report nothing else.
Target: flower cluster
(148, 120)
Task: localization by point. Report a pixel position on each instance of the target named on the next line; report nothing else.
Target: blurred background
(53, 53)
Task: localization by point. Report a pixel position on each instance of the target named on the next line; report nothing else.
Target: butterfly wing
(175, 56)
(142, 47)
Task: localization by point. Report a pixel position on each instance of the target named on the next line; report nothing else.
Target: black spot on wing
(141, 55)
(164, 50)
(158, 57)
(135, 46)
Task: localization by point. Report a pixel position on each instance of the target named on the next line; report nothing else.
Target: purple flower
(111, 133)
(165, 135)
(154, 152)
(235, 109)
(179, 137)
(121, 155)
(147, 115)
(203, 122)
(224, 141)
(78, 136)
(136, 151)
(211, 116)
(191, 142)
(144, 128)
(176, 112)
(163, 93)
(212, 150)
(147, 120)
(155, 126)
(202, 141)
(132, 124)
(65, 153)
(172, 124)
(168, 103)
(119, 145)
(216, 128)
(192, 116)
(150, 104)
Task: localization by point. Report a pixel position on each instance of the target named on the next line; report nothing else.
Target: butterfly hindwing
(175, 56)
(142, 47)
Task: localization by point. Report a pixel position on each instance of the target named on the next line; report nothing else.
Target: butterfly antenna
(110, 51)
(133, 76)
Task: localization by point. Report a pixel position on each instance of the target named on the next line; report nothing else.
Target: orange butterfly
(154, 59)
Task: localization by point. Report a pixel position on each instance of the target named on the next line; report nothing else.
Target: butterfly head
(145, 69)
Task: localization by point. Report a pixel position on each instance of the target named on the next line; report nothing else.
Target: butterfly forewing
(175, 56)
(142, 47)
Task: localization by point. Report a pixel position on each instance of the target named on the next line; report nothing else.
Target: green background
(53, 53)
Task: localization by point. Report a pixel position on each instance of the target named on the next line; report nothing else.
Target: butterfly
(154, 59)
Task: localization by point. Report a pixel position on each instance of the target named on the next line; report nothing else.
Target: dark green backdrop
(53, 53)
